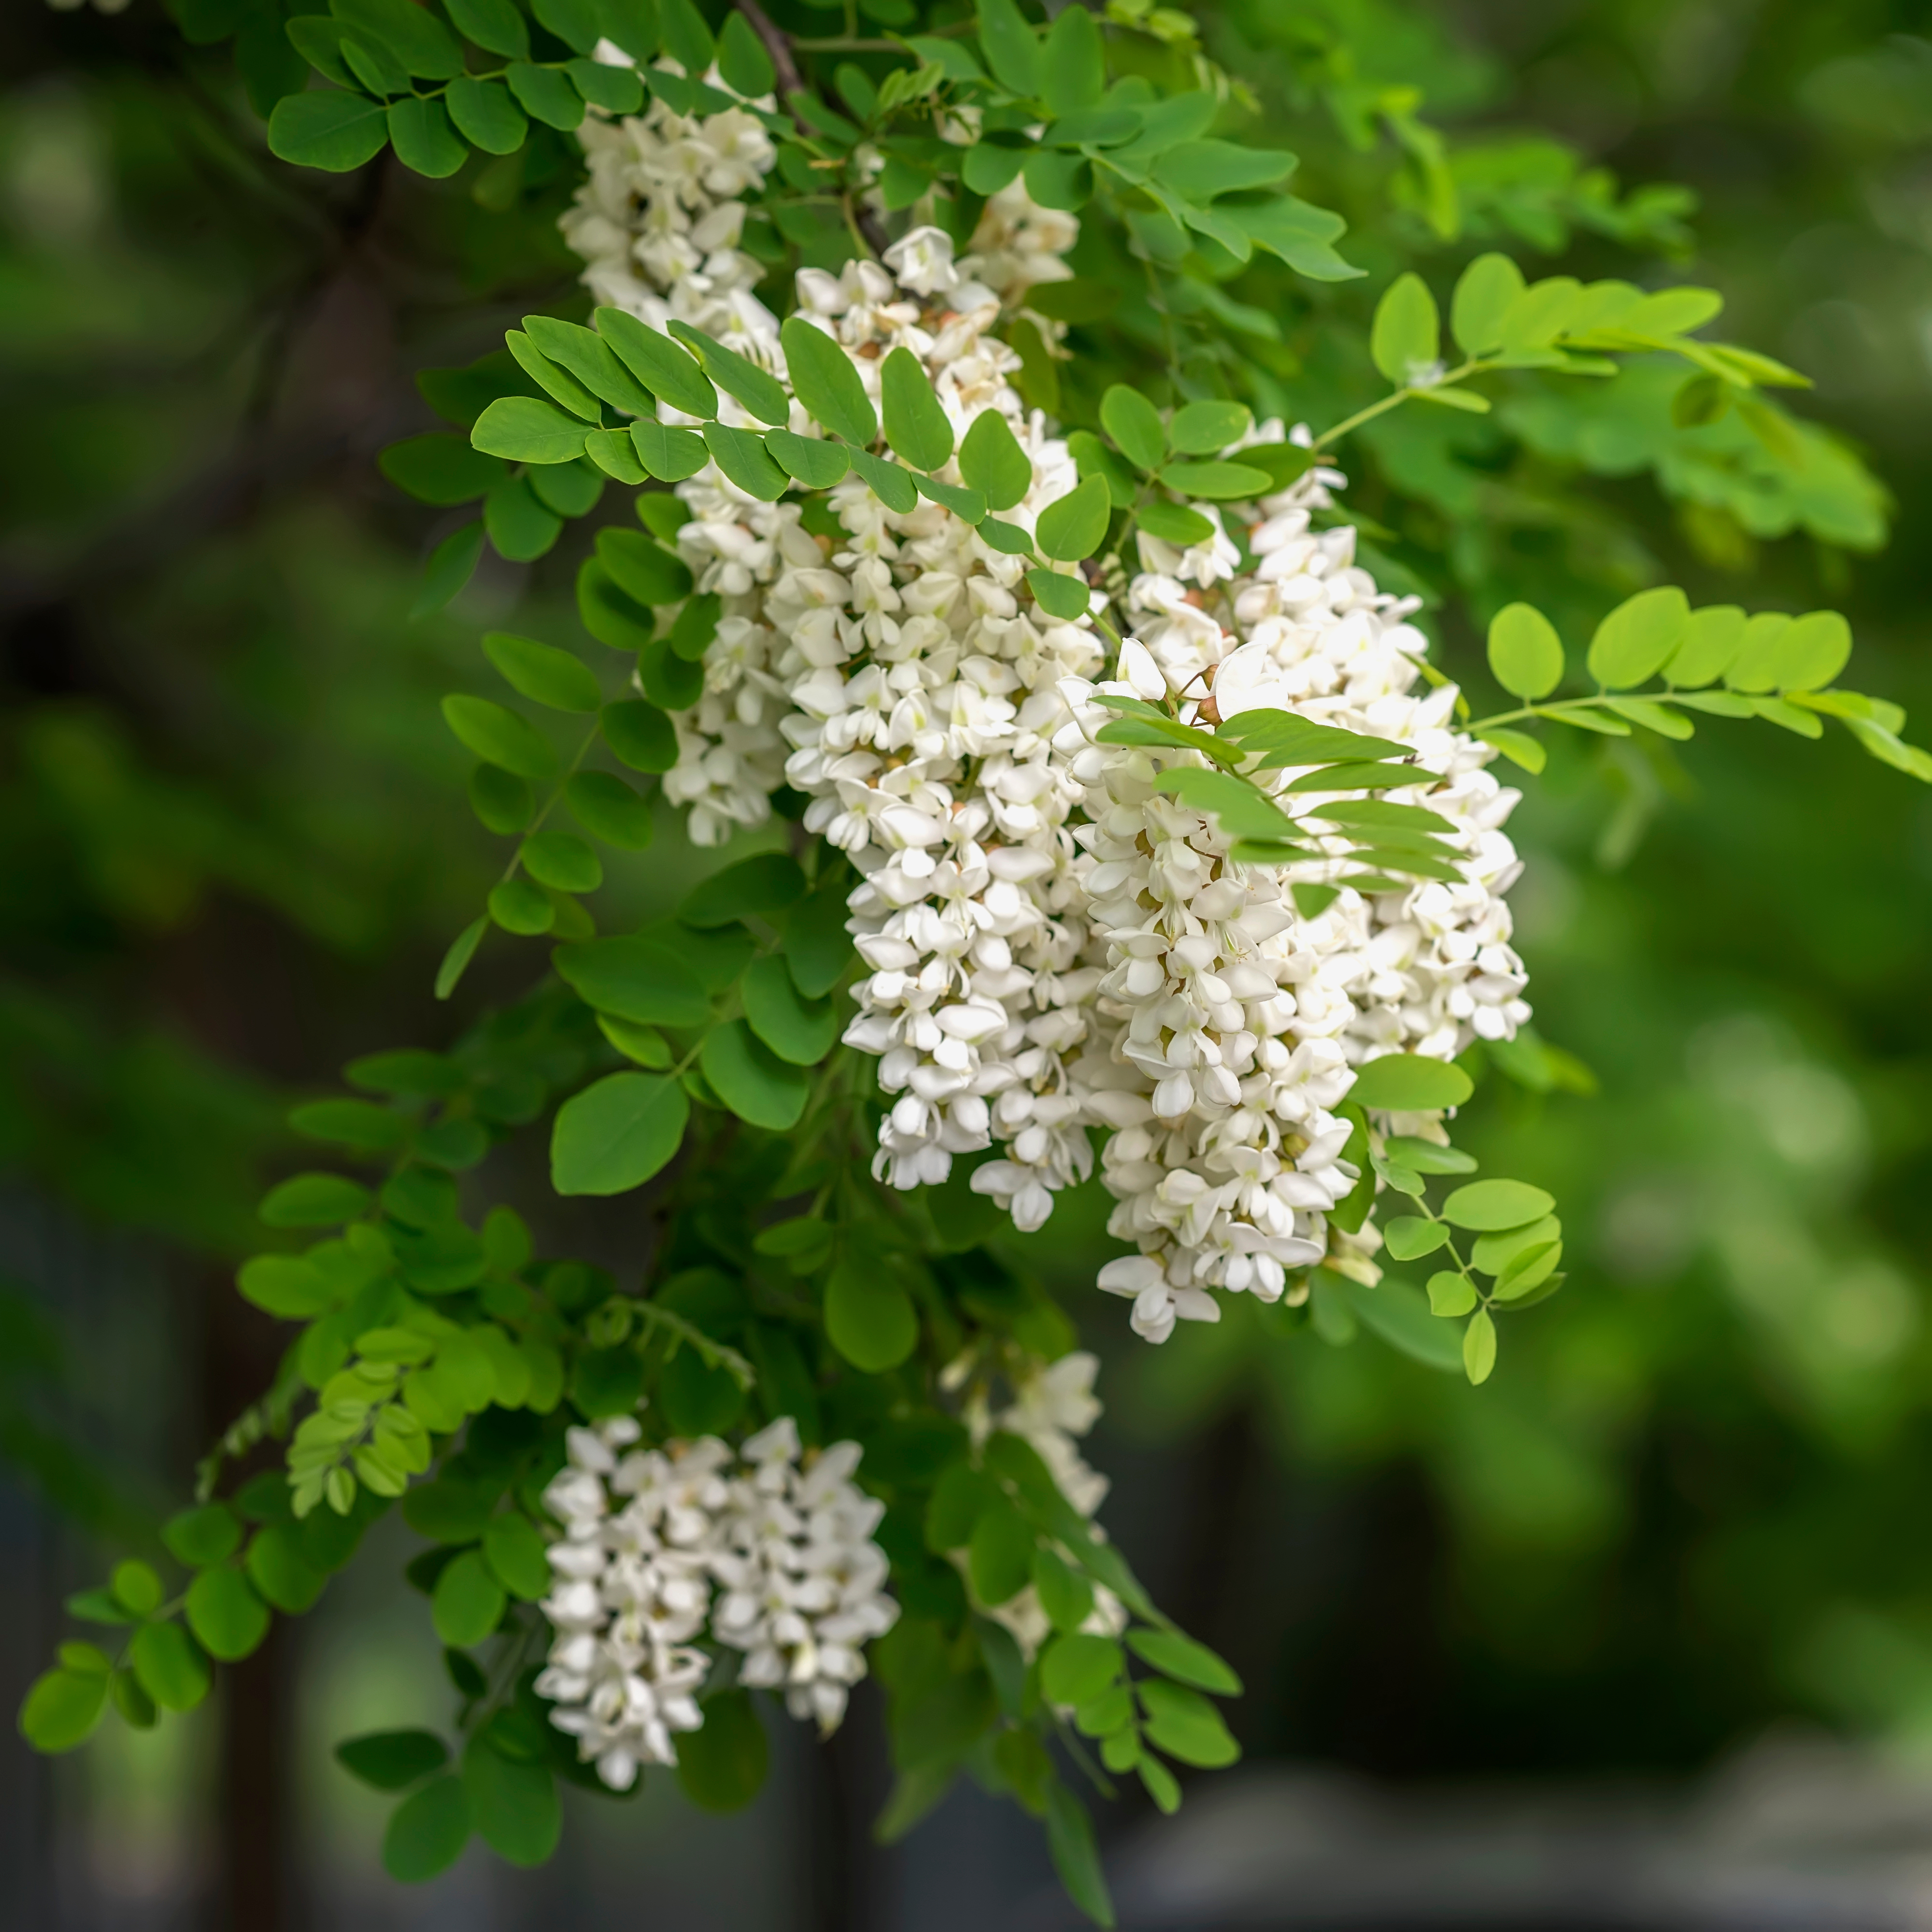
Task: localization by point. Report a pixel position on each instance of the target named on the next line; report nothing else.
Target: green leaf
(1182, 1723)
(817, 947)
(1059, 595)
(1183, 1660)
(869, 1319)
(1711, 641)
(439, 469)
(1066, 1596)
(392, 1760)
(1518, 747)
(1075, 1669)
(1811, 652)
(1409, 1237)
(686, 38)
(1635, 641)
(1219, 482)
(417, 38)
(609, 809)
(1072, 64)
(525, 429)
(1072, 527)
(757, 389)
(740, 453)
(279, 1570)
(450, 565)
(1201, 429)
(824, 380)
(1489, 1207)
(520, 527)
(424, 142)
(644, 570)
(722, 1764)
(893, 486)
(330, 130)
(171, 1670)
(809, 460)
(495, 25)
(1479, 1347)
(228, 1619)
(62, 1708)
(427, 1832)
(468, 1603)
(1451, 1293)
(619, 90)
(1525, 654)
(1410, 1083)
(372, 66)
(1658, 717)
(1485, 293)
(663, 366)
(617, 1133)
(1200, 171)
(669, 454)
(742, 62)
(1011, 50)
(499, 737)
(916, 426)
(1405, 338)
(1302, 234)
(639, 979)
(1134, 425)
(988, 166)
(1070, 1837)
(751, 1079)
(1172, 523)
(137, 1588)
(1755, 667)
(999, 1557)
(547, 94)
(208, 1534)
(562, 861)
(515, 1552)
(456, 960)
(590, 370)
(543, 674)
(640, 734)
(765, 883)
(615, 453)
(312, 1200)
(798, 1031)
(284, 1285)
(608, 614)
(555, 377)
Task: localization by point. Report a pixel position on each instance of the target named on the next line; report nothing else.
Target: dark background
(1639, 1634)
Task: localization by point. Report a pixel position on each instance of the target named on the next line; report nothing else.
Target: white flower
(766, 1551)
(922, 261)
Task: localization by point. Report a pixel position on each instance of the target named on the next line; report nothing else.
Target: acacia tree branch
(777, 44)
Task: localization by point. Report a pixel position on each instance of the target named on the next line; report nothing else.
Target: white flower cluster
(1239, 1018)
(1053, 945)
(769, 1553)
(660, 214)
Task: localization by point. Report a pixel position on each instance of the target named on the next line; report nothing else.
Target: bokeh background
(1640, 1634)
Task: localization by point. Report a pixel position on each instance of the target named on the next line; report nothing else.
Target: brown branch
(777, 44)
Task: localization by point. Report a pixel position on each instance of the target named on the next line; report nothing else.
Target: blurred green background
(233, 843)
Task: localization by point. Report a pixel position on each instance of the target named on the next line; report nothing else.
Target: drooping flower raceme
(1053, 946)
(761, 1549)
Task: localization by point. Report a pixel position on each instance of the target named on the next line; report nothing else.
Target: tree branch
(777, 44)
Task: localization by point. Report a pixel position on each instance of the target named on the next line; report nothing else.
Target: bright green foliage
(439, 1363)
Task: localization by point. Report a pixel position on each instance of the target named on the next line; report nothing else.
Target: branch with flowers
(1095, 814)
